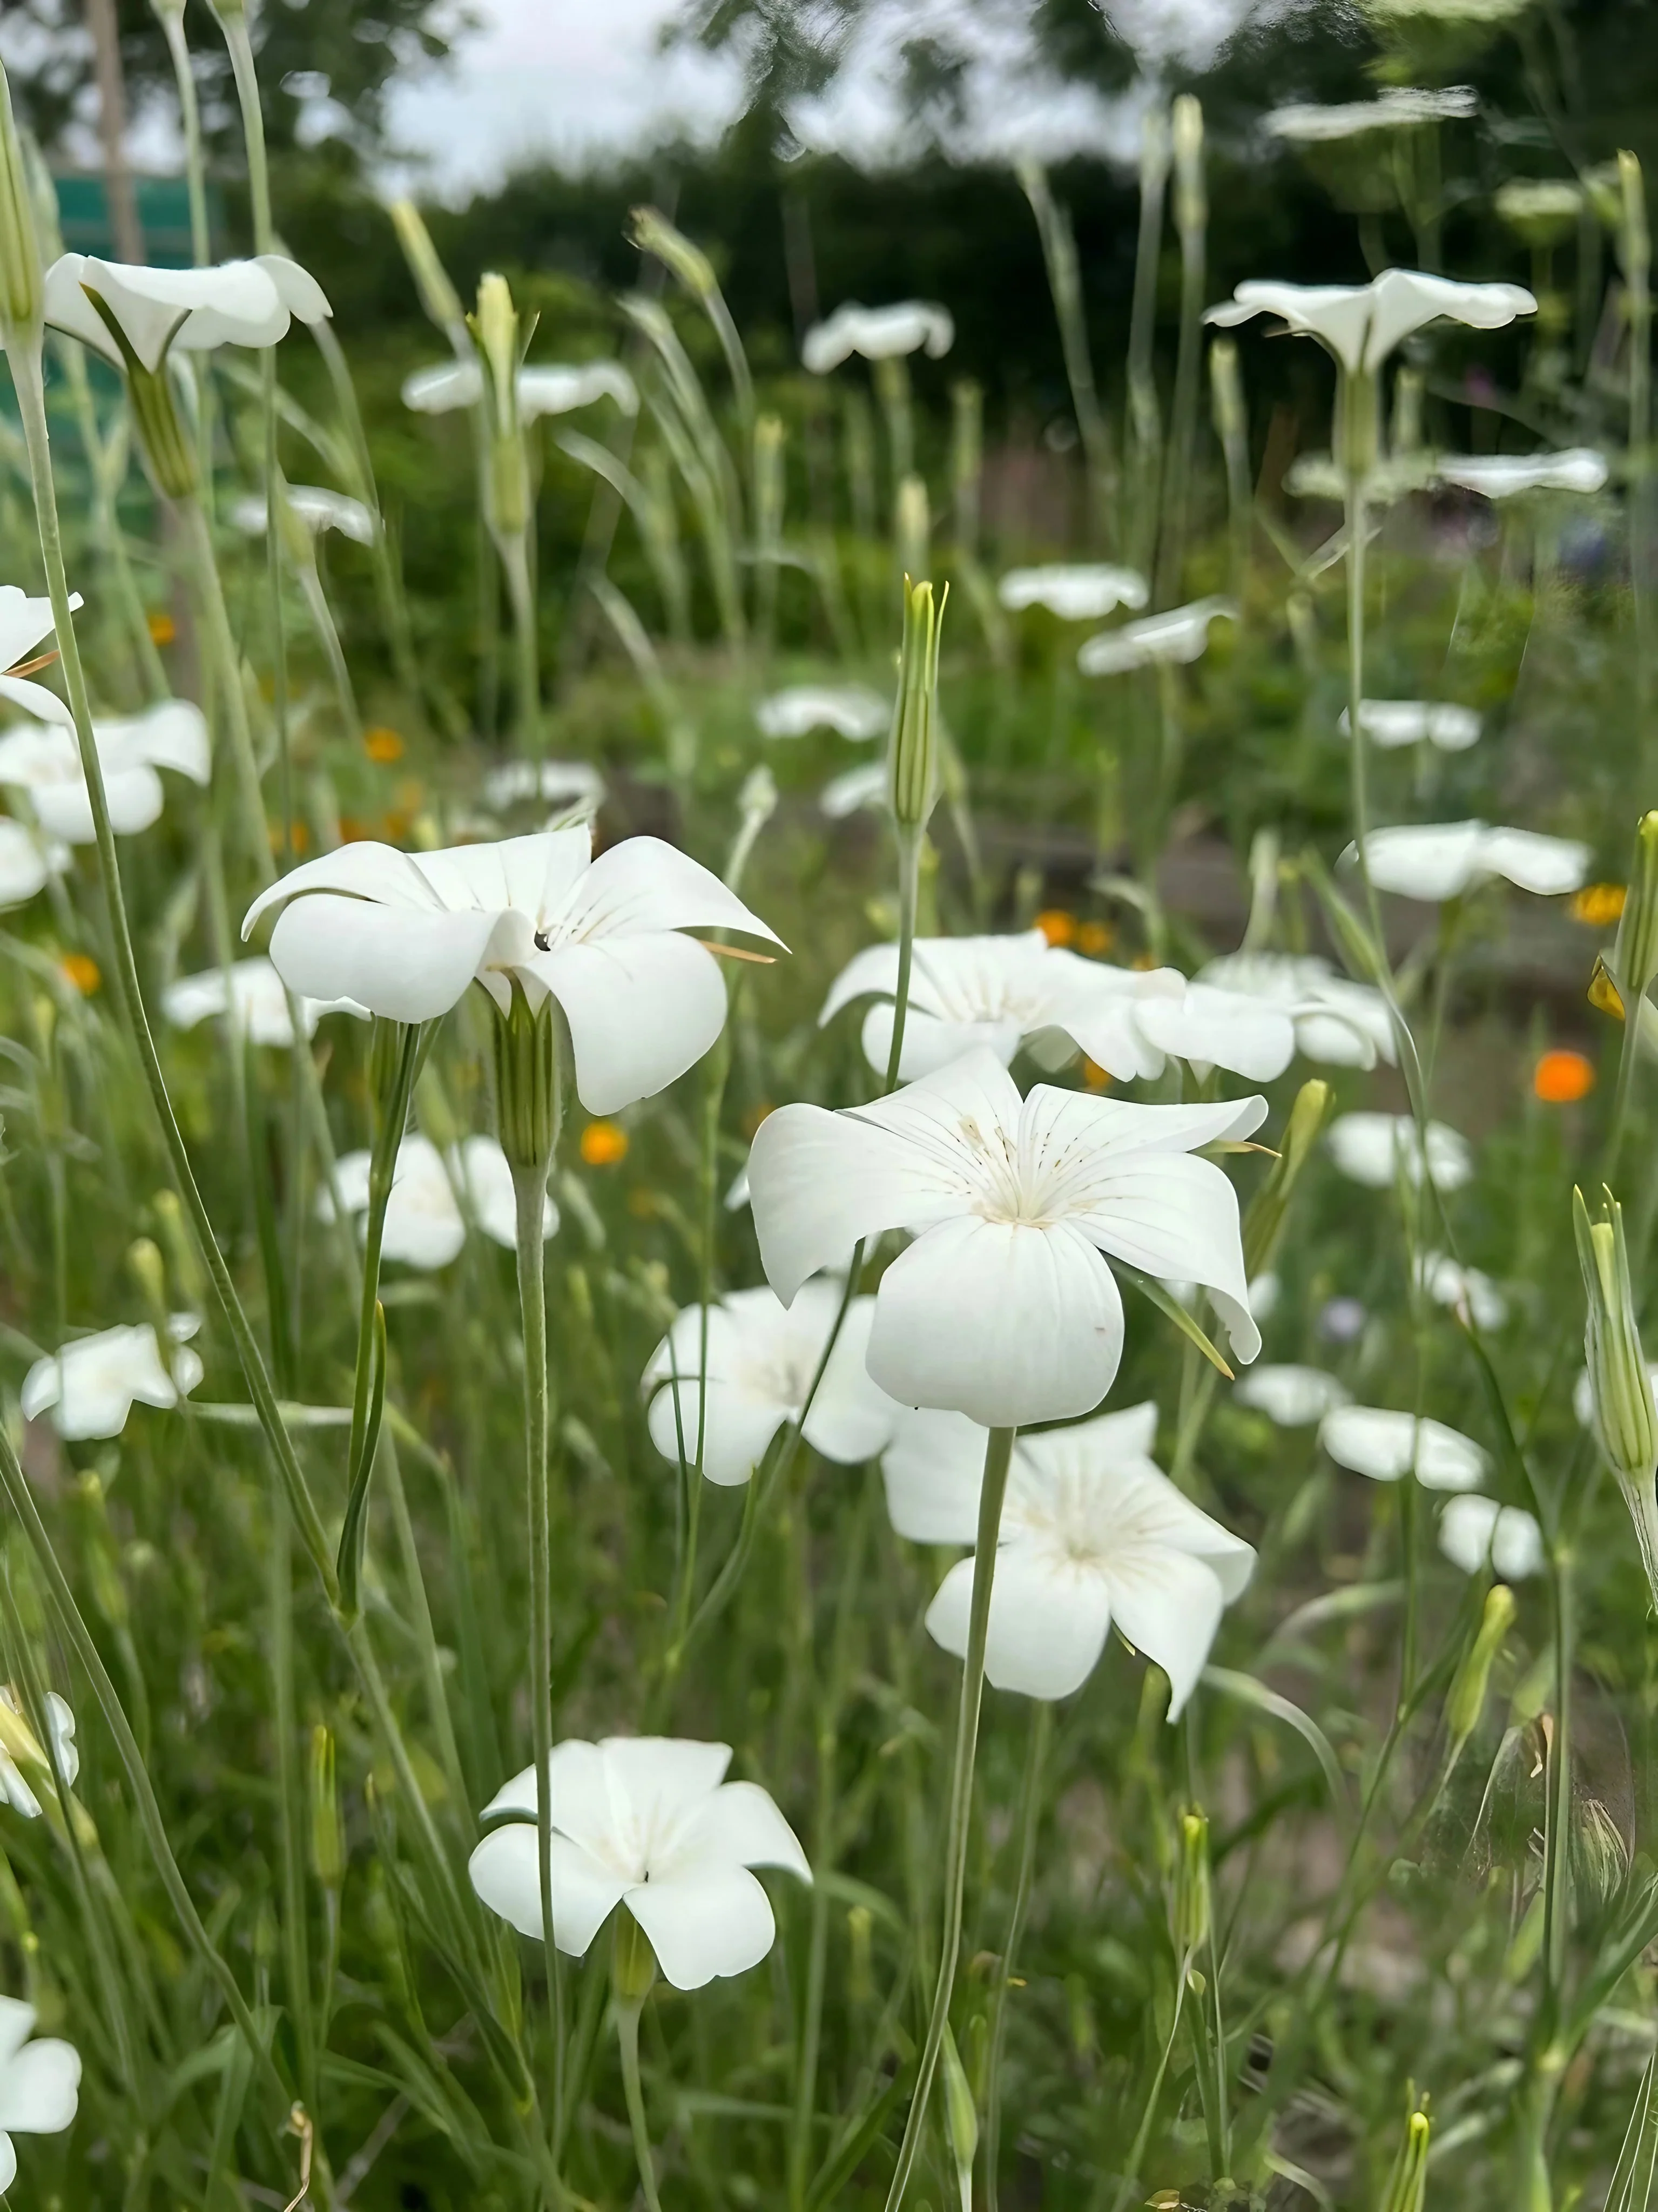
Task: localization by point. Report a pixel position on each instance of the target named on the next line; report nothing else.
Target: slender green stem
(515, 561)
(998, 1452)
(627, 2036)
(1358, 744)
(221, 643)
(296, 1964)
(190, 115)
(1557, 1849)
(1126, 2191)
(909, 874)
(1030, 1813)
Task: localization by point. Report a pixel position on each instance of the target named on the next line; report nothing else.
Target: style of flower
(28, 862)
(878, 334)
(761, 1358)
(1081, 593)
(859, 787)
(425, 1223)
(1465, 1290)
(91, 1385)
(159, 311)
(1476, 1533)
(1393, 722)
(1386, 1445)
(40, 2083)
(1004, 1307)
(25, 623)
(1503, 476)
(1436, 861)
(1374, 1149)
(1179, 635)
(313, 505)
(1361, 323)
(18, 1740)
(650, 1823)
(1337, 1023)
(256, 999)
(555, 783)
(554, 388)
(404, 934)
(851, 710)
(45, 762)
(1398, 107)
(1291, 1397)
(1092, 1532)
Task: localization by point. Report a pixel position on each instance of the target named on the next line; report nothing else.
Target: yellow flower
(81, 971)
(1598, 904)
(604, 1144)
(382, 744)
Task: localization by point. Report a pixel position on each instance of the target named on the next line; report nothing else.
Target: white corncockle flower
(1179, 635)
(1361, 323)
(1092, 1533)
(1399, 107)
(1386, 1445)
(1436, 861)
(857, 788)
(1291, 1397)
(649, 1822)
(1082, 592)
(877, 334)
(425, 1225)
(1476, 1533)
(555, 783)
(258, 1000)
(27, 861)
(46, 763)
(1393, 722)
(163, 311)
(1501, 476)
(1004, 1307)
(932, 1471)
(552, 389)
(91, 1385)
(40, 2083)
(1372, 1148)
(1337, 1023)
(404, 934)
(63, 1759)
(761, 1357)
(1465, 1290)
(851, 710)
(25, 624)
(316, 507)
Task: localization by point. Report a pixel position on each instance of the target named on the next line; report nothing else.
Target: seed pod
(22, 288)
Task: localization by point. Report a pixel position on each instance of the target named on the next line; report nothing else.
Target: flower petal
(505, 1872)
(1476, 1533)
(933, 1471)
(850, 1418)
(398, 962)
(641, 1009)
(644, 885)
(736, 1426)
(1386, 1445)
(363, 870)
(1048, 1623)
(1169, 1605)
(39, 2088)
(705, 1924)
(740, 1826)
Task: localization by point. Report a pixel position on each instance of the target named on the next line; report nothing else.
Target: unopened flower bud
(1226, 391)
(1407, 2184)
(1634, 238)
(328, 1848)
(913, 752)
(1263, 1224)
(1635, 955)
(438, 297)
(1186, 134)
(962, 2118)
(650, 230)
(22, 288)
(183, 1266)
(499, 341)
(1466, 1698)
(1191, 1897)
(633, 1962)
(912, 526)
(148, 1272)
(526, 1083)
(1620, 1385)
(757, 803)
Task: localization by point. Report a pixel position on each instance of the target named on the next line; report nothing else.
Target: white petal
(644, 885)
(740, 1826)
(1386, 1445)
(1048, 1623)
(933, 1471)
(930, 1044)
(35, 699)
(851, 1419)
(16, 2018)
(737, 1427)
(641, 1009)
(296, 288)
(1545, 866)
(505, 1872)
(1434, 861)
(363, 870)
(1292, 1397)
(1220, 1029)
(8, 2161)
(24, 864)
(446, 386)
(398, 962)
(1476, 1531)
(1169, 1605)
(39, 2088)
(705, 1924)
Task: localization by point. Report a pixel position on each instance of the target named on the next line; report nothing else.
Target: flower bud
(757, 803)
(497, 334)
(1226, 391)
(633, 1962)
(1634, 240)
(328, 1847)
(147, 1271)
(1407, 2184)
(1263, 1224)
(1620, 1384)
(1466, 1698)
(912, 526)
(22, 288)
(1191, 1897)
(962, 2118)
(1186, 134)
(913, 750)
(438, 297)
(526, 1063)
(649, 229)
(1635, 955)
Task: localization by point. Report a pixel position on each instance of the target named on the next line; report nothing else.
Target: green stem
(515, 560)
(998, 1452)
(1357, 742)
(1556, 1850)
(1030, 1811)
(215, 619)
(1126, 2191)
(190, 115)
(627, 2036)
(909, 873)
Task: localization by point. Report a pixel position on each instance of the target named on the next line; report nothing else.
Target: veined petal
(644, 885)
(505, 1872)
(364, 870)
(1048, 1622)
(740, 1826)
(400, 961)
(1169, 1605)
(705, 1924)
(931, 1043)
(663, 1778)
(641, 1009)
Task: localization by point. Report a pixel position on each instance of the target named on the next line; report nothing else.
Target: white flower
(404, 935)
(1398, 107)
(259, 1001)
(1371, 1148)
(932, 1471)
(1004, 1307)
(25, 624)
(46, 763)
(1179, 635)
(761, 1357)
(1076, 594)
(425, 1226)
(1500, 476)
(1385, 1445)
(158, 311)
(91, 1385)
(26, 860)
(556, 783)
(1391, 722)
(64, 1757)
(1337, 1023)
(1476, 1532)
(649, 1822)
(552, 389)
(851, 710)
(877, 334)
(316, 507)
(1361, 323)
(40, 2083)
(1435, 861)
(1448, 1283)
(1291, 1397)
(1092, 1533)
(858, 788)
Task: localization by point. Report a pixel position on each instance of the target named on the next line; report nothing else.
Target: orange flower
(602, 1143)
(1561, 1078)
(1057, 926)
(1095, 938)
(1598, 904)
(161, 627)
(81, 971)
(382, 744)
